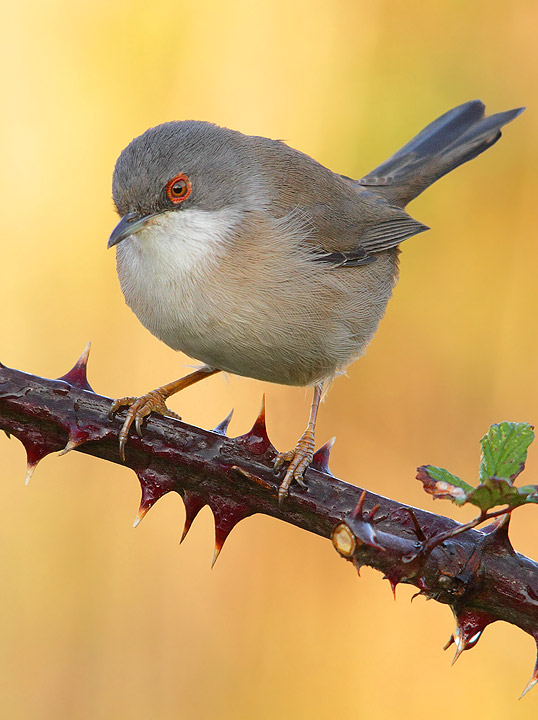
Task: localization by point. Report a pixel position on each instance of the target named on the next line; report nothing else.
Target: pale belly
(291, 321)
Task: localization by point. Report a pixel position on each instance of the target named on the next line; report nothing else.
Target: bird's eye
(178, 188)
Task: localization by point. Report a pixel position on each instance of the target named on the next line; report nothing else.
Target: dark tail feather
(454, 138)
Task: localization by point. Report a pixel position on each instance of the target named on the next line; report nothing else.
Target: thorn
(532, 682)
(193, 504)
(370, 516)
(534, 677)
(463, 644)
(320, 461)
(154, 487)
(142, 512)
(78, 436)
(36, 450)
(215, 555)
(71, 445)
(449, 642)
(416, 525)
(227, 514)
(77, 375)
(470, 624)
(362, 526)
(393, 584)
(8, 434)
(497, 535)
(357, 512)
(259, 429)
(222, 427)
(456, 656)
(256, 438)
(30, 468)
(417, 594)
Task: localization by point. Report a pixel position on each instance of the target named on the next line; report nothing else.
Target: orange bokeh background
(99, 621)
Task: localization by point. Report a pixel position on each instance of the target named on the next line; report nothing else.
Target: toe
(138, 424)
(282, 458)
(119, 403)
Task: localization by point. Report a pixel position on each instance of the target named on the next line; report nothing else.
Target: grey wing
(381, 228)
(344, 224)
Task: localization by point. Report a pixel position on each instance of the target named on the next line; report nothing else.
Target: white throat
(180, 241)
(164, 268)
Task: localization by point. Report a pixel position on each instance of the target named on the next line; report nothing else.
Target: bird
(254, 259)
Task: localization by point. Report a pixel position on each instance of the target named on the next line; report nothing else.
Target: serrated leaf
(443, 484)
(493, 492)
(500, 491)
(504, 450)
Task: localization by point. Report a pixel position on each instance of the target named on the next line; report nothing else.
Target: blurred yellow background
(99, 621)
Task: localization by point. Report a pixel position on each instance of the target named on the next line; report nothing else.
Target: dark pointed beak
(130, 224)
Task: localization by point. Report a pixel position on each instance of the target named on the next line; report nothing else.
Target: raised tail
(454, 138)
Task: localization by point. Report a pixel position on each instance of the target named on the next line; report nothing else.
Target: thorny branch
(478, 574)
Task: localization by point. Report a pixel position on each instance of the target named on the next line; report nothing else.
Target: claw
(139, 409)
(299, 459)
(281, 459)
(119, 403)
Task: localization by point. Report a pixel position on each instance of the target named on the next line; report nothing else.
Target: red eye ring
(178, 188)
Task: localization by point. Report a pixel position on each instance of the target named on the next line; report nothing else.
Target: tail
(454, 138)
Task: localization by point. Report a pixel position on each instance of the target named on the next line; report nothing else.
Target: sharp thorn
(418, 530)
(449, 642)
(193, 504)
(186, 528)
(71, 445)
(30, 468)
(456, 656)
(77, 375)
(534, 677)
(532, 682)
(142, 512)
(215, 555)
(259, 428)
(222, 427)
(261, 414)
(320, 460)
(357, 512)
(85, 354)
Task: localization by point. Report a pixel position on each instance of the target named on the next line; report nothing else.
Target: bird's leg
(301, 457)
(154, 401)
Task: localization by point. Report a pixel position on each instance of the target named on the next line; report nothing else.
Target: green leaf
(499, 491)
(493, 492)
(443, 484)
(504, 450)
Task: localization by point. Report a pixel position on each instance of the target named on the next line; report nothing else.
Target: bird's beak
(130, 224)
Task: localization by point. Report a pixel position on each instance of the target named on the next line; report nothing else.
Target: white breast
(239, 291)
(164, 268)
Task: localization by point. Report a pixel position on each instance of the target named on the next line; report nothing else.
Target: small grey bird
(255, 259)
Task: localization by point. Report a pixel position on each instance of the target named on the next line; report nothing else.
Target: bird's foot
(299, 459)
(139, 408)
